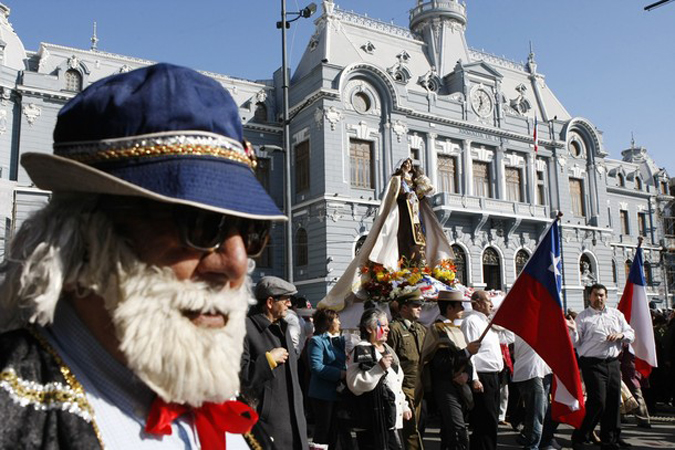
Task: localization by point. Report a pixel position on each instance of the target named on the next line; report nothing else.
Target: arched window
(621, 180)
(492, 273)
(521, 260)
(460, 264)
(586, 270)
(638, 183)
(265, 258)
(302, 247)
(73, 80)
(627, 267)
(359, 244)
(649, 281)
(260, 114)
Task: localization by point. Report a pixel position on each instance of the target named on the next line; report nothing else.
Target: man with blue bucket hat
(123, 300)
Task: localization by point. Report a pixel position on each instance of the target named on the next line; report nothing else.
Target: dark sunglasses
(199, 229)
(206, 231)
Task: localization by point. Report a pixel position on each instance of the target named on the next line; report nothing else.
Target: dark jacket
(275, 393)
(32, 416)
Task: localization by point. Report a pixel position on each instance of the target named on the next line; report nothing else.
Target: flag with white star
(533, 310)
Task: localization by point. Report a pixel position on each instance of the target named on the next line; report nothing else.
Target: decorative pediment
(483, 69)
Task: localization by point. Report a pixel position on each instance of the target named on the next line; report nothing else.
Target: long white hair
(47, 253)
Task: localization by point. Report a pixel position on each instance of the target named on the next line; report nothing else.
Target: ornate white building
(367, 93)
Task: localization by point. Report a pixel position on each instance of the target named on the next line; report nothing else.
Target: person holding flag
(533, 311)
(639, 358)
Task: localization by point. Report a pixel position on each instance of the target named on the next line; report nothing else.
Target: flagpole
(562, 260)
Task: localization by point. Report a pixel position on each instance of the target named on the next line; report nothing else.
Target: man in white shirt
(488, 362)
(601, 331)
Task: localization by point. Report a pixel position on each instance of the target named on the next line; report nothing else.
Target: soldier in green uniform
(406, 337)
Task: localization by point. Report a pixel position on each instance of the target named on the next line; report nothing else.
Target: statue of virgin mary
(405, 232)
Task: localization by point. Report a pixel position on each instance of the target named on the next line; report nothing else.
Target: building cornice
(271, 129)
(59, 95)
(107, 55)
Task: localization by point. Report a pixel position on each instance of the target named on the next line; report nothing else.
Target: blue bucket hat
(163, 132)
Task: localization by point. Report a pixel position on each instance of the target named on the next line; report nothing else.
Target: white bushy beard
(180, 361)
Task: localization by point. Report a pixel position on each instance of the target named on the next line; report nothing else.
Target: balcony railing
(479, 204)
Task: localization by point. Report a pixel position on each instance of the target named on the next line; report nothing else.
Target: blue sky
(606, 60)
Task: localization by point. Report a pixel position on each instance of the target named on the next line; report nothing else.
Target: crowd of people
(129, 318)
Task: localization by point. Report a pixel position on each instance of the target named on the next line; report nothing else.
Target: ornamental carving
(261, 96)
(73, 62)
(368, 47)
(5, 95)
(32, 112)
(125, 68)
(520, 104)
(400, 129)
(3, 122)
(331, 114)
(430, 80)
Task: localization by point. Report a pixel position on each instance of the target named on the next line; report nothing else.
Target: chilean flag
(532, 309)
(635, 308)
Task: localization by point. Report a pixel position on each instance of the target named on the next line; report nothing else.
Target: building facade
(368, 93)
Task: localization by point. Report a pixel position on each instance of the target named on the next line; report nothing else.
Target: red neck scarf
(211, 419)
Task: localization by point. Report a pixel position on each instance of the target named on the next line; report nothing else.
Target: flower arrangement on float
(383, 285)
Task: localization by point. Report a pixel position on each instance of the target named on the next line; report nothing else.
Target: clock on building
(481, 102)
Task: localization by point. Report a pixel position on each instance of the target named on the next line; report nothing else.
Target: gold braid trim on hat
(70, 397)
(159, 144)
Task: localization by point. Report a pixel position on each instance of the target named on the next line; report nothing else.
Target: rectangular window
(415, 154)
(262, 173)
(447, 174)
(540, 191)
(302, 167)
(664, 187)
(577, 197)
(642, 224)
(482, 187)
(625, 228)
(361, 163)
(514, 187)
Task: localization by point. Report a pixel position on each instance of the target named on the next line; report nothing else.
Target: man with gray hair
(126, 296)
(269, 366)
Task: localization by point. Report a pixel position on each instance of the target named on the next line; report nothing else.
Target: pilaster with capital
(500, 175)
(531, 179)
(432, 171)
(468, 168)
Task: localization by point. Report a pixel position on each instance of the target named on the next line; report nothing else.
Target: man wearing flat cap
(446, 363)
(124, 299)
(269, 366)
(406, 336)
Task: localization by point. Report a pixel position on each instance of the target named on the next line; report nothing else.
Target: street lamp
(283, 25)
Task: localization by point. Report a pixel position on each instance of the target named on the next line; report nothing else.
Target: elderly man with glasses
(124, 300)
